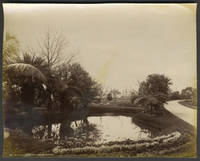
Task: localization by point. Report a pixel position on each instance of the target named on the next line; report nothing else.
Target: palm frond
(26, 70)
(33, 60)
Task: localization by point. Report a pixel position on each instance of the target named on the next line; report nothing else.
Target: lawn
(187, 103)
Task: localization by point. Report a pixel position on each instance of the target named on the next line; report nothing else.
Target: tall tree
(52, 46)
(187, 93)
(74, 75)
(10, 48)
(155, 84)
(153, 92)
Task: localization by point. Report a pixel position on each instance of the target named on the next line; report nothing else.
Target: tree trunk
(49, 130)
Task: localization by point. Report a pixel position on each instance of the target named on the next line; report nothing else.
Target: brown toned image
(99, 80)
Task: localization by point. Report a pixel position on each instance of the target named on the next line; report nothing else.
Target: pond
(96, 129)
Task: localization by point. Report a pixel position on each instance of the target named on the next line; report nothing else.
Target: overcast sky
(118, 44)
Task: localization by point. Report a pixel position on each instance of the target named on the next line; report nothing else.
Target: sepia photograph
(112, 80)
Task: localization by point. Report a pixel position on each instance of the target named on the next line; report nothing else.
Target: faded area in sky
(118, 44)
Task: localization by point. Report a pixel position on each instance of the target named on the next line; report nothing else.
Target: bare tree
(51, 46)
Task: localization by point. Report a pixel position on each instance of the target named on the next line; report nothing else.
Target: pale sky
(118, 44)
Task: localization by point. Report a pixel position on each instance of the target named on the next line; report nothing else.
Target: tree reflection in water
(151, 131)
(67, 131)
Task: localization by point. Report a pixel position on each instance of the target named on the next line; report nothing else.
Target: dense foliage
(153, 92)
(31, 81)
(154, 84)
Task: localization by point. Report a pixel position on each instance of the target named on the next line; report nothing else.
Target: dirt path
(183, 112)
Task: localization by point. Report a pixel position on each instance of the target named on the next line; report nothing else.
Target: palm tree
(33, 60)
(28, 73)
(25, 70)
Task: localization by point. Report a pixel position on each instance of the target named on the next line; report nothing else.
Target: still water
(99, 129)
(118, 128)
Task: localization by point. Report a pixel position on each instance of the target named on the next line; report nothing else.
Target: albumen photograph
(111, 80)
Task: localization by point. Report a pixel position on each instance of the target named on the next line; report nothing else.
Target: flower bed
(159, 145)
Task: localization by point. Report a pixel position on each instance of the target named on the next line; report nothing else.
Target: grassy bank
(19, 144)
(161, 125)
(187, 103)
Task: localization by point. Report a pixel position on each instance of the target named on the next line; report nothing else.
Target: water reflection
(98, 129)
(152, 129)
(118, 128)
